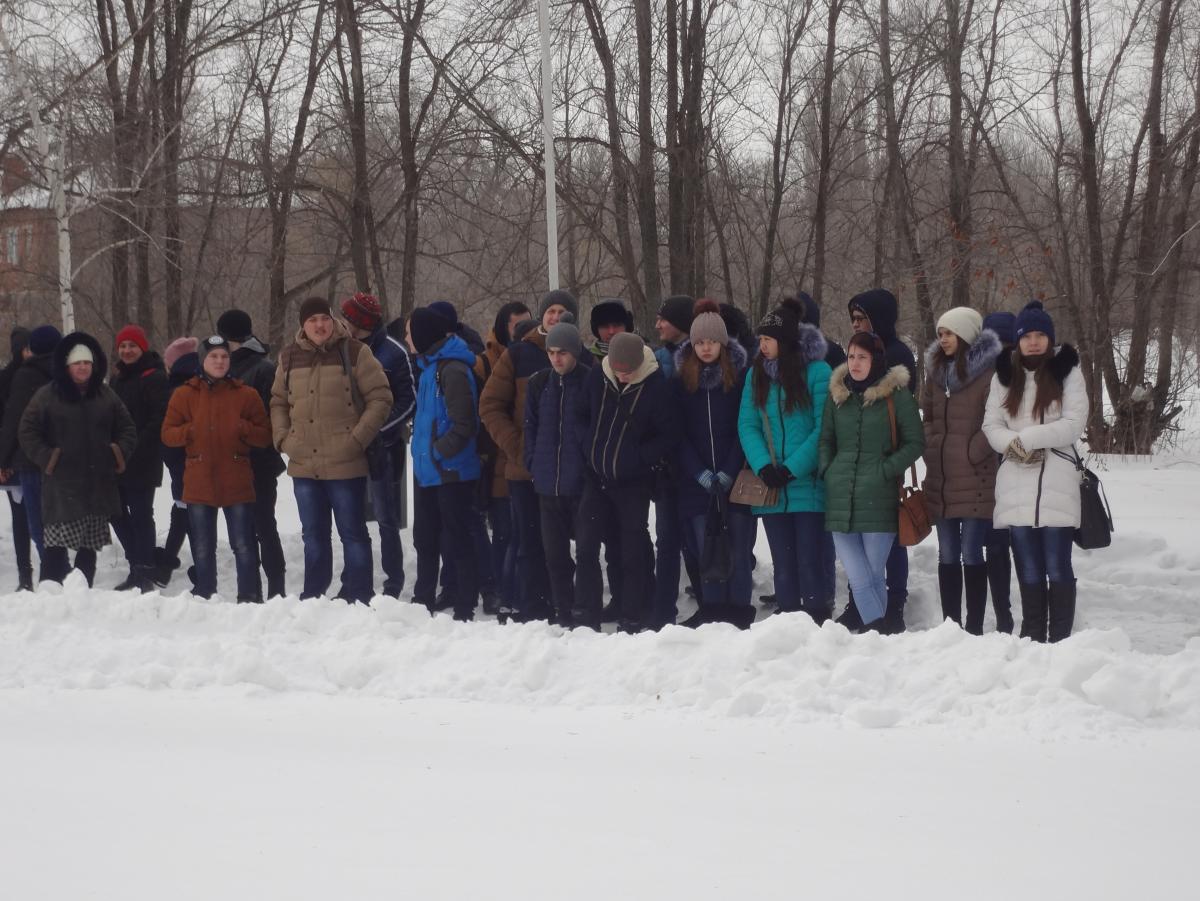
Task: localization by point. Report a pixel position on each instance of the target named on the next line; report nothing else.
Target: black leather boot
(975, 584)
(1034, 601)
(1061, 609)
(950, 586)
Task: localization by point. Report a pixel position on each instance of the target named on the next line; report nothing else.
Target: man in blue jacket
(364, 319)
(445, 460)
(556, 428)
(632, 426)
(877, 311)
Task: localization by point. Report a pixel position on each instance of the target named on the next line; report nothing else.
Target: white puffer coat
(1047, 493)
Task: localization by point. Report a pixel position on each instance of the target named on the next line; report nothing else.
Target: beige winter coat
(314, 420)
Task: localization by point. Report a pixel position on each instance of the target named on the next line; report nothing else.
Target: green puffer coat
(862, 473)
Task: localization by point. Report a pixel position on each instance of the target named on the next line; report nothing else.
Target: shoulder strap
(767, 431)
(355, 396)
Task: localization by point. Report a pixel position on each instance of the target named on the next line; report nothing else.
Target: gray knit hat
(558, 296)
(708, 324)
(964, 322)
(626, 352)
(565, 336)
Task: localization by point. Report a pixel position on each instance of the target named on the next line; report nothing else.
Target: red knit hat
(363, 311)
(135, 334)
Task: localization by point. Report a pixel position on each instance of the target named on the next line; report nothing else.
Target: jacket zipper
(562, 394)
(782, 440)
(712, 444)
(945, 435)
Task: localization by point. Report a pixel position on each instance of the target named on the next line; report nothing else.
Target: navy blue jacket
(709, 427)
(883, 311)
(394, 358)
(250, 365)
(631, 428)
(556, 430)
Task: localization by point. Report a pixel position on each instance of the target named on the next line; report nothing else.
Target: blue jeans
(31, 500)
(202, 527)
(795, 541)
(864, 556)
(385, 503)
(742, 531)
(1042, 554)
(344, 501)
(962, 539)
(135, 526)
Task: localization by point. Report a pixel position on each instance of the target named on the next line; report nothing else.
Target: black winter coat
(709, 427)
(632, 428)
(144, 390)
(250, 365)
(883, 311)
(79, 440)
(556, 430)
(32, 375)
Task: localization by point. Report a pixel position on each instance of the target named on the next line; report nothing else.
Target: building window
(11, 246)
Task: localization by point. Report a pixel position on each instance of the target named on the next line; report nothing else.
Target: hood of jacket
(643, 372)
(710, 375)
(1064, 360)
(881, 308)
(981, 357)
(253, 345)
(471, 337)
(62, 378)
(811, 345)
(452, 347)
(893, 380)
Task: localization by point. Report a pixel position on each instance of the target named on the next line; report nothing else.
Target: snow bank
(785, 668)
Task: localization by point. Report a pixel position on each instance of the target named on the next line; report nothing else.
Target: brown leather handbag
(913, 524)
(749, 490)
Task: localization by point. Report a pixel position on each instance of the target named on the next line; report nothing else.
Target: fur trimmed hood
(893, 380)
(710, 376)
(981, 357)
(62, 378)
(811, 345)
(1064, 360)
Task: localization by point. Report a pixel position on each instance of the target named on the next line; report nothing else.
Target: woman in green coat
(862, 468)
(778, 424)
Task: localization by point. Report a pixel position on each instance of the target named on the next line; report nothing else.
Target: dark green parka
(861, 471)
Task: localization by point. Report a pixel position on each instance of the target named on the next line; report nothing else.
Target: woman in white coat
(1036, 410)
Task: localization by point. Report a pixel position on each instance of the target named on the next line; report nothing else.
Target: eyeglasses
(856, 318)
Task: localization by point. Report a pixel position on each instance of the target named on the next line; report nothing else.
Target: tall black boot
(950, 586)
(1034, 601)
(893, 617)
(1061, 609)
(975, 583)
(999, 570)
(25, 578)
(85, 562)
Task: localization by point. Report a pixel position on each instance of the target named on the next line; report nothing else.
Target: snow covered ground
(166, 747)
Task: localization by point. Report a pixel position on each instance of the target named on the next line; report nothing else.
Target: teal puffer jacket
(861, 471)
(795, 435)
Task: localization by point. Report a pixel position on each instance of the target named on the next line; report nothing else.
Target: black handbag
(716, 556)
(1095, 516)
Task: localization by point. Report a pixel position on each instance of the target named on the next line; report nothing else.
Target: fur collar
(1064, 360)
(649, 367)
(812, 345)
(980, 358)
(710, 376)
(893, 380)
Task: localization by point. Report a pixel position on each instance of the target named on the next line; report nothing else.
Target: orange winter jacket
(217, 424)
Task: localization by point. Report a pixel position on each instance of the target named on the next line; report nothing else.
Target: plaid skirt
(87, 532)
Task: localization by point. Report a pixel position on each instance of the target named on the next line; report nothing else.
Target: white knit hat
(964, 322)
(80, 353)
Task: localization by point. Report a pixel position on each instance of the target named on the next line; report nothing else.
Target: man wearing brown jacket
(502, 409)
(329, 400)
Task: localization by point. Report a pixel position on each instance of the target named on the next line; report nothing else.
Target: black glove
(770, 476)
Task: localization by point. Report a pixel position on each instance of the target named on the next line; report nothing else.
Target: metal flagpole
(548, 130)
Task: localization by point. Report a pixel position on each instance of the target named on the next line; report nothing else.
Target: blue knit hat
(43, 339)
(1034, 318)
(1004, 324)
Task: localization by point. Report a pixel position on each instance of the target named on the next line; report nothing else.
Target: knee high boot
(975, 584)
(950, 586)
(999, 570)
(1061, 609)
(1034, 601)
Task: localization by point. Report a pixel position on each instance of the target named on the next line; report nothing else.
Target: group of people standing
(535, 458)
